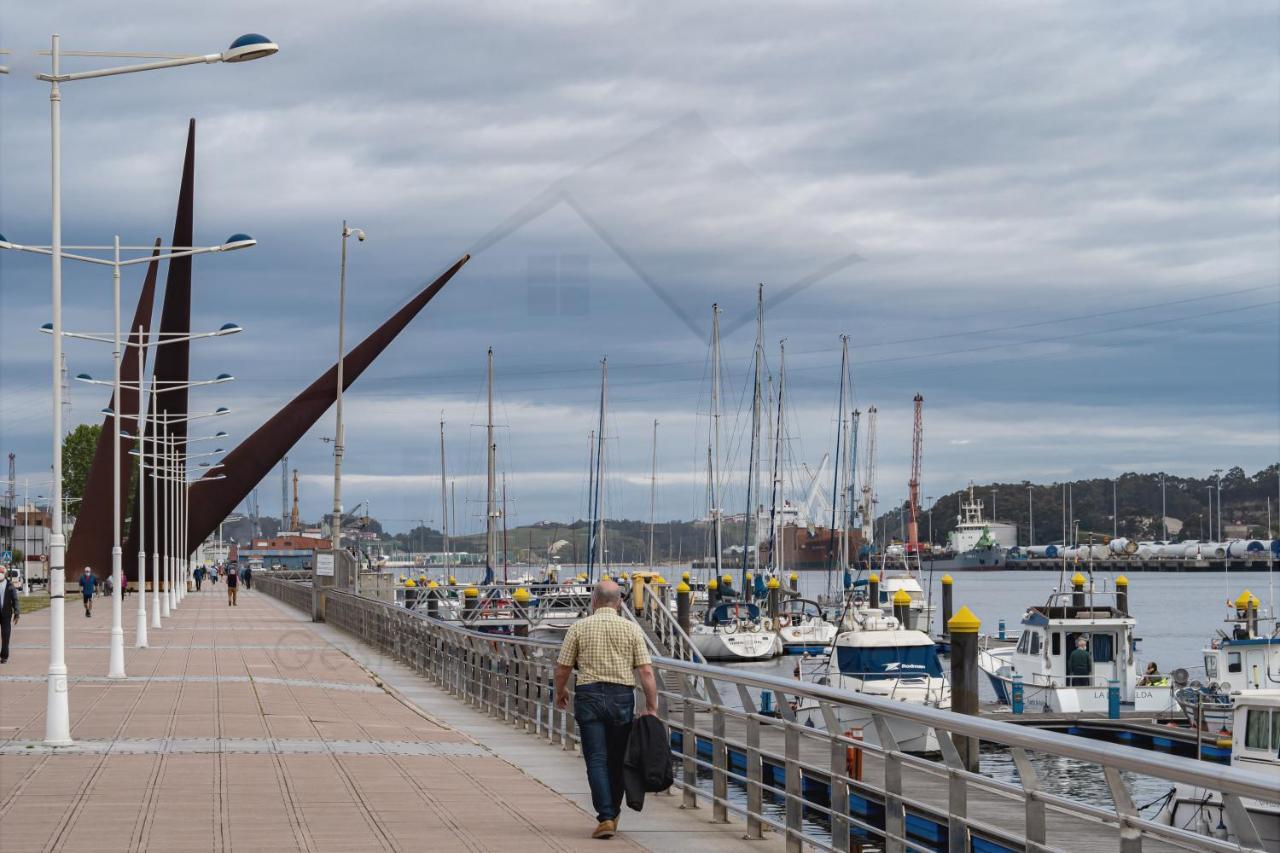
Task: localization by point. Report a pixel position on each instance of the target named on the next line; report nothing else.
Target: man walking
(231, 588)
(9, 611)
(609, 655)
(88, 583)
(248, 576)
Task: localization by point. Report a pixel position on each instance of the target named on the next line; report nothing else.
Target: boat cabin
(872, 655)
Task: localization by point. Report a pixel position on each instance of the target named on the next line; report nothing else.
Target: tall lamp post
(115, 667)
(57, 730)
(338, 440)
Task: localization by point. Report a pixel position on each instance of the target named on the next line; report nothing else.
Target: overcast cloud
(1058, 222)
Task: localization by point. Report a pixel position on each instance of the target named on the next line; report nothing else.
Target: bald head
(606, 594)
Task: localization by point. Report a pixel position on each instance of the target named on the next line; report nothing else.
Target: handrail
(510, 677)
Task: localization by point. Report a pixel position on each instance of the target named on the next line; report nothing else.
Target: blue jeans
(604, 713)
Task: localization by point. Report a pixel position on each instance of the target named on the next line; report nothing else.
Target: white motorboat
(1243, 661)
(803, 628)
(1255, 745)
(735, 631)
(1048, 637)
(879, 657)
(903, 578)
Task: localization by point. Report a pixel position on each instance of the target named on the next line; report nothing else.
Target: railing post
(688, 746)
(719, 756)
(895, 814)
(1126, 811)
(957, 793)
(1035, 829)
(755, 769)
(839, 774)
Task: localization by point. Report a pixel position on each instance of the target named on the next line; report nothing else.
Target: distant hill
(1244, 506)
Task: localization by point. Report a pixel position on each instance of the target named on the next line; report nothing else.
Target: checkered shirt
(604, 647)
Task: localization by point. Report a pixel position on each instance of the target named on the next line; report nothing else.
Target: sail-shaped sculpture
(92, 539)
(244, 467)
(171, 360)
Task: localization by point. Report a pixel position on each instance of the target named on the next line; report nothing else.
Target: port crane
(869, 481)
(913, 485)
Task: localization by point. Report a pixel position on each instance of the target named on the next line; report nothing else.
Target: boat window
(1035, 643)
(1024, 641)
(1233, 661)
(1210, 666)
(1057, 642)
(1103, 648)
(889, 662)
(1257, 729)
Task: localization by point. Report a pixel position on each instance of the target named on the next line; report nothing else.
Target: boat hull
(1060, 699)
(742, 645)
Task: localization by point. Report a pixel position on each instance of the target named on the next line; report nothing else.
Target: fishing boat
(881, 657)
(735, 631)
(1255, 746)
(1245, 660)
(1049, 635)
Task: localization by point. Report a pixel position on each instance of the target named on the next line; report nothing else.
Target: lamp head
(358, 233)
(106, 410)
(229, 329)
(221, 410)
(224, 377)
(4, 244)
(248, 47)
(237, 241)
(84, 377)
(47, 328)
(219, 434)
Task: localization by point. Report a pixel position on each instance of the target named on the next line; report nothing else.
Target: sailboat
(730, 630)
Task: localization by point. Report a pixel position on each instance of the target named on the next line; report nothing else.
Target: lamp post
(248, 47)
(1217, 473)
(1031, 520)
(338, 440)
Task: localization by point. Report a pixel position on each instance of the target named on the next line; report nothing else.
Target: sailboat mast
(869, 481)
(491, 510)
(715, 434)
(444, 496)
(504, 527)
(653, 490)
(755, 435)
(604, 402)
(837, 522)
(850, 488)
(591, 504)
(776, 541)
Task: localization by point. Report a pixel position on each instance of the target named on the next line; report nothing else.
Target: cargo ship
(808, 549)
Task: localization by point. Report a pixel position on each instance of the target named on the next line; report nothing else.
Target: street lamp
(338, 443)
(57, 730)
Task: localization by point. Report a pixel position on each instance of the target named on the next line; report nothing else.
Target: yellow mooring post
(963, 628)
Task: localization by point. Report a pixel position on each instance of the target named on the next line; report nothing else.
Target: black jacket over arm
(648, 763)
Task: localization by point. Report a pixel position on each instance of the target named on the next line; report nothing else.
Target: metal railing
(661, 624)
(776, 773)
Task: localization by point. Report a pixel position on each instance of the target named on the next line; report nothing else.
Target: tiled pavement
(245, 729)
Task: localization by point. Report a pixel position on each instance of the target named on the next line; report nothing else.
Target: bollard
(682, 607)
(1253, 615)
(1000, 629)
(726, 586)
(637, 594)
(410, 595)
(684, 576)
(795, 583)
(946, 602)
(746, 587)
(521, 600)
(873, 590)
(902, 608)
(1077, 591)
(963, 629)
(1113, 699)
(713, 593)
(433, 600)
(1015, 694)
(775, 596)
(1122, 595)
(470, 600)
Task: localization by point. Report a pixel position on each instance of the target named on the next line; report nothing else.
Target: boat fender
(853, 755)
(783, 620)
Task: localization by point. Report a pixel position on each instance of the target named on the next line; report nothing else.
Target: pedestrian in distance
(231, 589)
(199, 576)
(108, 585)
(9, 612)
(248, 577)
(610, 656)
(88, 584)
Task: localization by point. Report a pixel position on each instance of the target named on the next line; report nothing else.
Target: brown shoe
(606, 829)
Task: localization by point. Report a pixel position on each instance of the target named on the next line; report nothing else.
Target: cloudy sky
(1057, 222)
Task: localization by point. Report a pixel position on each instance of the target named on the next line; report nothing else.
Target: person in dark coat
(1079, 664)
(9, 612)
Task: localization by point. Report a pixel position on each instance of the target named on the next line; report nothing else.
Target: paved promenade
(246, 729)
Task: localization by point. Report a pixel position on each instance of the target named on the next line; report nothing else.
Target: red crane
(913, 485)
